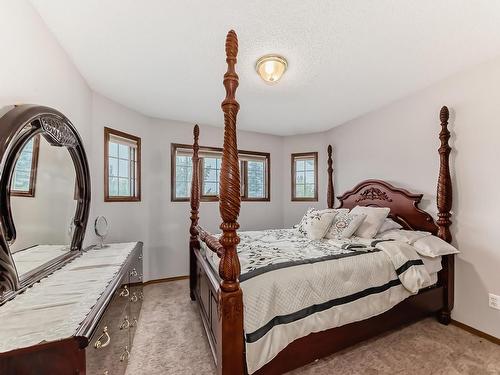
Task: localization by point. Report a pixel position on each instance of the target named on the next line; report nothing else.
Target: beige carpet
(170, 340)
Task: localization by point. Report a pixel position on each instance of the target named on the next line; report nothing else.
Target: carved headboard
(403, 204)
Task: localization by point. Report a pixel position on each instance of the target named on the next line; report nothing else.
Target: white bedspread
(293, 286)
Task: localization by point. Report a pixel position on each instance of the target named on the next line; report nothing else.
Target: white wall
(399, 144)
(317, 142)
(164, 225)
(34, 69)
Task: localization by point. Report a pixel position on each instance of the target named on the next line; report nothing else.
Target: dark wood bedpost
(330, 193)
(195, 206)
(230, 359)
(444, 204)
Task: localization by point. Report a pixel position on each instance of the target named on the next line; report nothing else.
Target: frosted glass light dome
(271, 67)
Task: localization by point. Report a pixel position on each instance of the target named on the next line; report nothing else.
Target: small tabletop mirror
(101, 228)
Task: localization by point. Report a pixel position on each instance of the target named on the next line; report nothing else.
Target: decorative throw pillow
(344, 225)
(316, 223)
(389, 224)
(311, 209)
(375, 217)
(301, 223)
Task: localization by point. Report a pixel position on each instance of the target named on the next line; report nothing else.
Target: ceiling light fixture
(271, 67)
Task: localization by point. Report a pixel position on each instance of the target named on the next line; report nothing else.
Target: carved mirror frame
(17, 126)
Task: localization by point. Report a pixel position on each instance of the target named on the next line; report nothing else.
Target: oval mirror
(44, 195)
(101, 228)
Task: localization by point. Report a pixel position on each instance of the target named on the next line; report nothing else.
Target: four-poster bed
(219, 294)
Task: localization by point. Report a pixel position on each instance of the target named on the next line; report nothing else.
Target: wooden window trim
(34, 167)
(107, 133)
(302, 155)
(244, 197)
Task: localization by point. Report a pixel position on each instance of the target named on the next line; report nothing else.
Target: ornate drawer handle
(125, 292)
(134, 323)
(99, 344)
(125, 355)
(125, 323)
(141, 296)
(133, 273)
(134, 297)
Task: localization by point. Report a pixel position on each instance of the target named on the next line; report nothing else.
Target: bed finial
(231, 45)
(444, 114)
(230, 106)
(330, 193)
(196, 134)
(195, 206)
(444, 188)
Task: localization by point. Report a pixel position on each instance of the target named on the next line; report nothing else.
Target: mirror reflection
(43, 204)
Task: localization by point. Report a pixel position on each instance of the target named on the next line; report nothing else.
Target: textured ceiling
(346, 58)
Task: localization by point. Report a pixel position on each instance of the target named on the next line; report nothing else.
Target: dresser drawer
(109, 348)
(135, 307)
(136, 271)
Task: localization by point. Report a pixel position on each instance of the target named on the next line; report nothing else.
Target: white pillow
(424, 243)
(344, 225)
(389, 224)
(316, 224)
(375, 217)
(408, 236)
(432, 246)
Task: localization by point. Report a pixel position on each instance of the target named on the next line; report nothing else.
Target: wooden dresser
(102, 342)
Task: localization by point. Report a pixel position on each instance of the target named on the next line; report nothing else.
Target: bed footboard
(221, 312)
(206, 292)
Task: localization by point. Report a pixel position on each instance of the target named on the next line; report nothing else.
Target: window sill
(122, 199)
(26, 194)
(315, 199)
(216, 199)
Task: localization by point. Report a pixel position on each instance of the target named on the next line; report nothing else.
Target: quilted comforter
(293, 286)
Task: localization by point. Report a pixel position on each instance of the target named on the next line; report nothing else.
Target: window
(183, 174)
(255, 176)
(254, 173)
(211, 165)
(305, 176)
(24, 177)
(122, 166)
